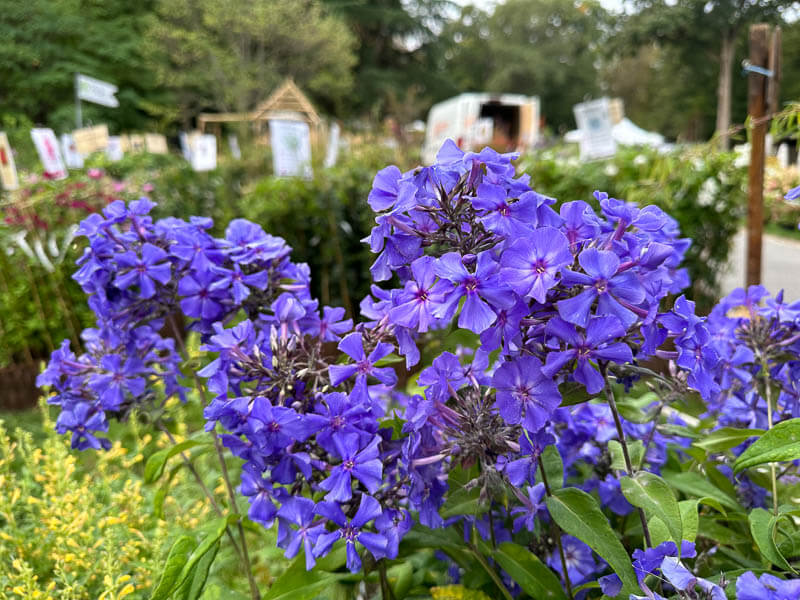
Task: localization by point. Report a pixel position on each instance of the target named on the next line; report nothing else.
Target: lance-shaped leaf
(780, 443)
(654, 495)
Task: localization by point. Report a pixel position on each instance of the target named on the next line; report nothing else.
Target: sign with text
(96, 91)
(155, 143)
(49, 153)
(596, 129)
(8, 170)
(291, 148)
(91, 139)
(72, 157)
(204, 152)
(114, 149)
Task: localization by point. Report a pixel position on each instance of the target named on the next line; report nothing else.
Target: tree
(397, 48)
(45, 42)
(228, 56)
(548, 48)
(708, 28)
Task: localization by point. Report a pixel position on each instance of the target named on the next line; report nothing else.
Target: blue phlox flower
(361, 463)
(352, 531)
(524, 394)
(299, 512)
(602, 281)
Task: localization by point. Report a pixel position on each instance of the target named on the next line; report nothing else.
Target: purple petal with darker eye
(368, 510)
(450, 267)
(476, 314)
(599, 263)
(576, 310)
(590, 377)
(353, 346)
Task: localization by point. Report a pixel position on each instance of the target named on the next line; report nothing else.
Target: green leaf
(154, 467)
(635, 449)
(173, 565)
(553, 467)
(694, 484)
(654, 495)
(400, 578)
(395, 423)
(726, 438)
(762, 526)
(298, 584)
(390, 359)
(533, 576)
(214, 530)
(639, 410)
(573, 393)
(780, 443)
(689, 518)
(578, 514)
(464, 495)
(658, 531)
(193, 585)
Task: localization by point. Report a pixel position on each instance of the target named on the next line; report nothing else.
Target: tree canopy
(375, 58)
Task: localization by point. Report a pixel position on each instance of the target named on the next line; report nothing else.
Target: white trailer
(507, 122)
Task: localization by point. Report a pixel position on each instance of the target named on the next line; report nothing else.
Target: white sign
(94, 90)
(291, 148)
(114, 149)
(72, 157)
(49, 153)
(8, 169)
(596, 129)
(333, 146)
(233, 143)
(204, 152)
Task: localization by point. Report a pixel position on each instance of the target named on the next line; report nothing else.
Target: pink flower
(95, 173)
(147, 187)
(118, 186)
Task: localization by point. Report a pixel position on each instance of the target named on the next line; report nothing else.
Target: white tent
(626, 133)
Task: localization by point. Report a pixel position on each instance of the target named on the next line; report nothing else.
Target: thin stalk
(558, 534)
(628, 465)
(492, 573)
(768, 397)
(204, 488)
(386, 589)
(245, 556)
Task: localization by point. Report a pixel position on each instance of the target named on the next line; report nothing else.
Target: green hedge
(703, 190)
(325, 218)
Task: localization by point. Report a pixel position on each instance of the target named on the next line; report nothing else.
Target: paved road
(780, 266)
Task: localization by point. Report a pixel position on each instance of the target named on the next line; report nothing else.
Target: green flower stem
(612, 404)
(557, 535)
(768, 398)
(245, 556)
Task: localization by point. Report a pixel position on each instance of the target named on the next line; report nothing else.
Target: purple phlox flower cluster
(755, 343)
(141, 278)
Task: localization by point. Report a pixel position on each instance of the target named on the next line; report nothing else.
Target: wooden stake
(756, 109)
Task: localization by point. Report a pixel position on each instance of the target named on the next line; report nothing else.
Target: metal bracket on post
(748, 68)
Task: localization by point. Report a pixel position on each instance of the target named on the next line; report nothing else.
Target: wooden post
(756, 109)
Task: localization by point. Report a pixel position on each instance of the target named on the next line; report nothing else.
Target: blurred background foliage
(381, 58)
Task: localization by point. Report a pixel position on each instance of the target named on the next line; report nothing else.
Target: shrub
(511, 465)
(703, 190)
